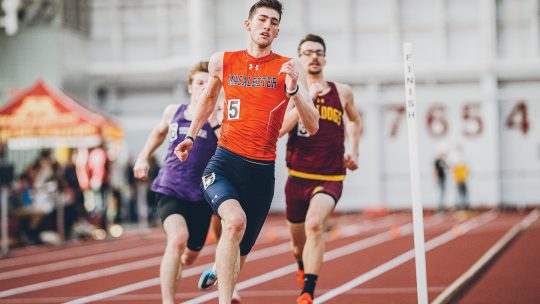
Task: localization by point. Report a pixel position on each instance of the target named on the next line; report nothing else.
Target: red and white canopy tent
(45, 117)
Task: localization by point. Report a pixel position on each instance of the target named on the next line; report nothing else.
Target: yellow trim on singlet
(329, 178)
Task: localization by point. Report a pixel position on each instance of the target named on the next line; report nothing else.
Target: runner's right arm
(154, 140)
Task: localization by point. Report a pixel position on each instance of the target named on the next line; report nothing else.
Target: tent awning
(44, 112)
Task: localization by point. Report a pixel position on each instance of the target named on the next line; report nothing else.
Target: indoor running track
(367, 260)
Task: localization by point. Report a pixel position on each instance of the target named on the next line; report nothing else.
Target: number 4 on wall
(519, 118)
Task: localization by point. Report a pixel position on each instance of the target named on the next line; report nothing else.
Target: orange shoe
(300, 278)
(304, 298)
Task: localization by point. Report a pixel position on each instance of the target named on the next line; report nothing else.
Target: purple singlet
(182, 179)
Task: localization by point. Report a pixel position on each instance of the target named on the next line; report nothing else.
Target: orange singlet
(255, 104)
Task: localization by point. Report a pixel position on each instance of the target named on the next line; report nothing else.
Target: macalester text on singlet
(253, 82)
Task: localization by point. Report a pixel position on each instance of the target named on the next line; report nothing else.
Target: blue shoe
(208, 279)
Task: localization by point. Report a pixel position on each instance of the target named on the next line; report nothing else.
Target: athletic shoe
(304, 298)
(208, 279)
(236, 299)
(300, 277)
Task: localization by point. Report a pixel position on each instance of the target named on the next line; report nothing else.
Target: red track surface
(379, 260)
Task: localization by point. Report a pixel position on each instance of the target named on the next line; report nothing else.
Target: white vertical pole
(4, 220)
(418, 220)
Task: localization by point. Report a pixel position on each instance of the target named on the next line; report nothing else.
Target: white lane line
(259, 254)
(453, 289)
(358, 291)
(44, 257)
(84, 261)
(245, 294)
(407, 256)
(103, 247)
(82, 277)
(126, 267)
(330, 255)
(255, 255)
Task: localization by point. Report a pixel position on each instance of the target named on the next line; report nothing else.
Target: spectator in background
(65, 197)
(46, 191)
(461, 174)
(45, 185)
(6, 168)
(19, 214)
(132, 209)
(24, 189)
(20, 207)
(92, 173)
(98, 176)
(81, 170)
(71, 182)
(441, 168)
(36, 196)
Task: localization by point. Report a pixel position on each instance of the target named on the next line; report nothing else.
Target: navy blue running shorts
(250, 182)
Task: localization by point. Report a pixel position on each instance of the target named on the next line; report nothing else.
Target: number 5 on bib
(233, 109)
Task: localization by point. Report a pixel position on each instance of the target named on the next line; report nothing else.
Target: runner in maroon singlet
(317, 163)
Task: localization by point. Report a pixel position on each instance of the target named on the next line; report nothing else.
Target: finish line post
(418, 220)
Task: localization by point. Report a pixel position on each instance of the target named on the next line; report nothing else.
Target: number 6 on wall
(233, 109)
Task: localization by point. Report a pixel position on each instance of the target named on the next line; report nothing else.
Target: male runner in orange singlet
(238, 182)
(317, 163)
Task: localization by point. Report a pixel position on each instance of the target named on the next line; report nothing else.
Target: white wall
(475, 60)
(520, 142)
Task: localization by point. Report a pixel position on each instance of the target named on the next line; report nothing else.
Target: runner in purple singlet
(181, 204)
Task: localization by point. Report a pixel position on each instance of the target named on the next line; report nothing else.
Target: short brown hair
(201, 66)
(273, 4)
(312, 38)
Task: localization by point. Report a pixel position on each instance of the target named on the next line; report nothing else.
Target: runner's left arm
(353, 125)
(296, 82)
